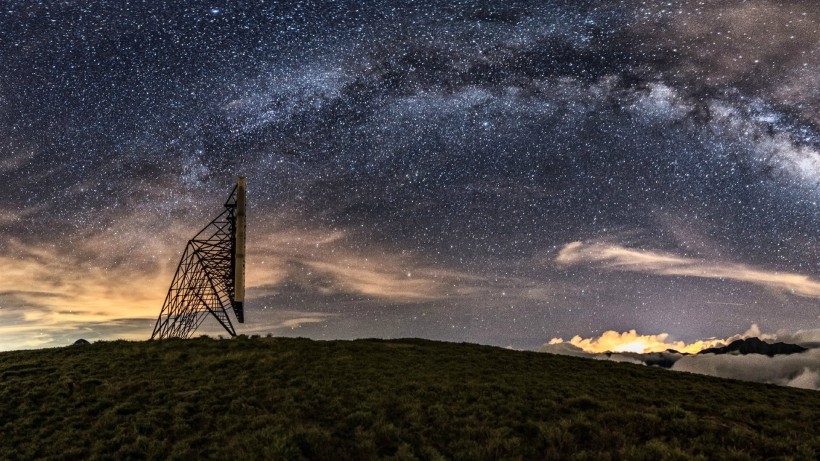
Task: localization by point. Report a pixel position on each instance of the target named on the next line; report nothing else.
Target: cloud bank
(795, 370)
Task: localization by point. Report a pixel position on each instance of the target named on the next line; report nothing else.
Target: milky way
(493, 172)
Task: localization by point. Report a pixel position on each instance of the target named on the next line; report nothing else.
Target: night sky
(494, 172)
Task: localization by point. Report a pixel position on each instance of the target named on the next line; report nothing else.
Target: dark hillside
(401, 399)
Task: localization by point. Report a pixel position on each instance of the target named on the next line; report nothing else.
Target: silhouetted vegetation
(407, 399)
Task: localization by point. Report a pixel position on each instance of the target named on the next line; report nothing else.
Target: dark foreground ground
(404, 399)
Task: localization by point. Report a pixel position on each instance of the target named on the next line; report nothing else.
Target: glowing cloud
(59, 290)
(615, 257)
(631, 341)
(44, 294)
(52, 296)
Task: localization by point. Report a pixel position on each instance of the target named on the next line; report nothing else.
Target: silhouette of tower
(210, 278)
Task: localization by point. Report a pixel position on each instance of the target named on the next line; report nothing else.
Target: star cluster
(495, 172)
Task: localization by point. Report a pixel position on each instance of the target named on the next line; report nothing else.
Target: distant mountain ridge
(755, 346)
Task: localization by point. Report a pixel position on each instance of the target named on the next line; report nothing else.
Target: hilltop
(277, 398)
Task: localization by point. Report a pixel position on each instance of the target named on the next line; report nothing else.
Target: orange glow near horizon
(631, 341)
(49, 292)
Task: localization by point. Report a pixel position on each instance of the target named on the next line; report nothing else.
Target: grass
(277, 398)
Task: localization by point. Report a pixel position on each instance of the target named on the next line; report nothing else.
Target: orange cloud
(111, 280)
(631, 341)
(64, 290)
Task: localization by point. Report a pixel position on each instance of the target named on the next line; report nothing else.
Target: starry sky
(494, 172)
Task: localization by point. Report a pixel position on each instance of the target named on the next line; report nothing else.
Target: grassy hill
(402, 399)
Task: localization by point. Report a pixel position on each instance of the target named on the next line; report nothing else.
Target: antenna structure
(210, 278)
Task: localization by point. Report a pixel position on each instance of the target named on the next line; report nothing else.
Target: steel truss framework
(205, 280)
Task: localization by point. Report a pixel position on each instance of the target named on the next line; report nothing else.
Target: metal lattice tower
(210, 278)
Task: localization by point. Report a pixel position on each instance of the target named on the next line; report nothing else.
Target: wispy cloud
(13, 159)
(328, 256)
(615, 257)
(9, 215)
